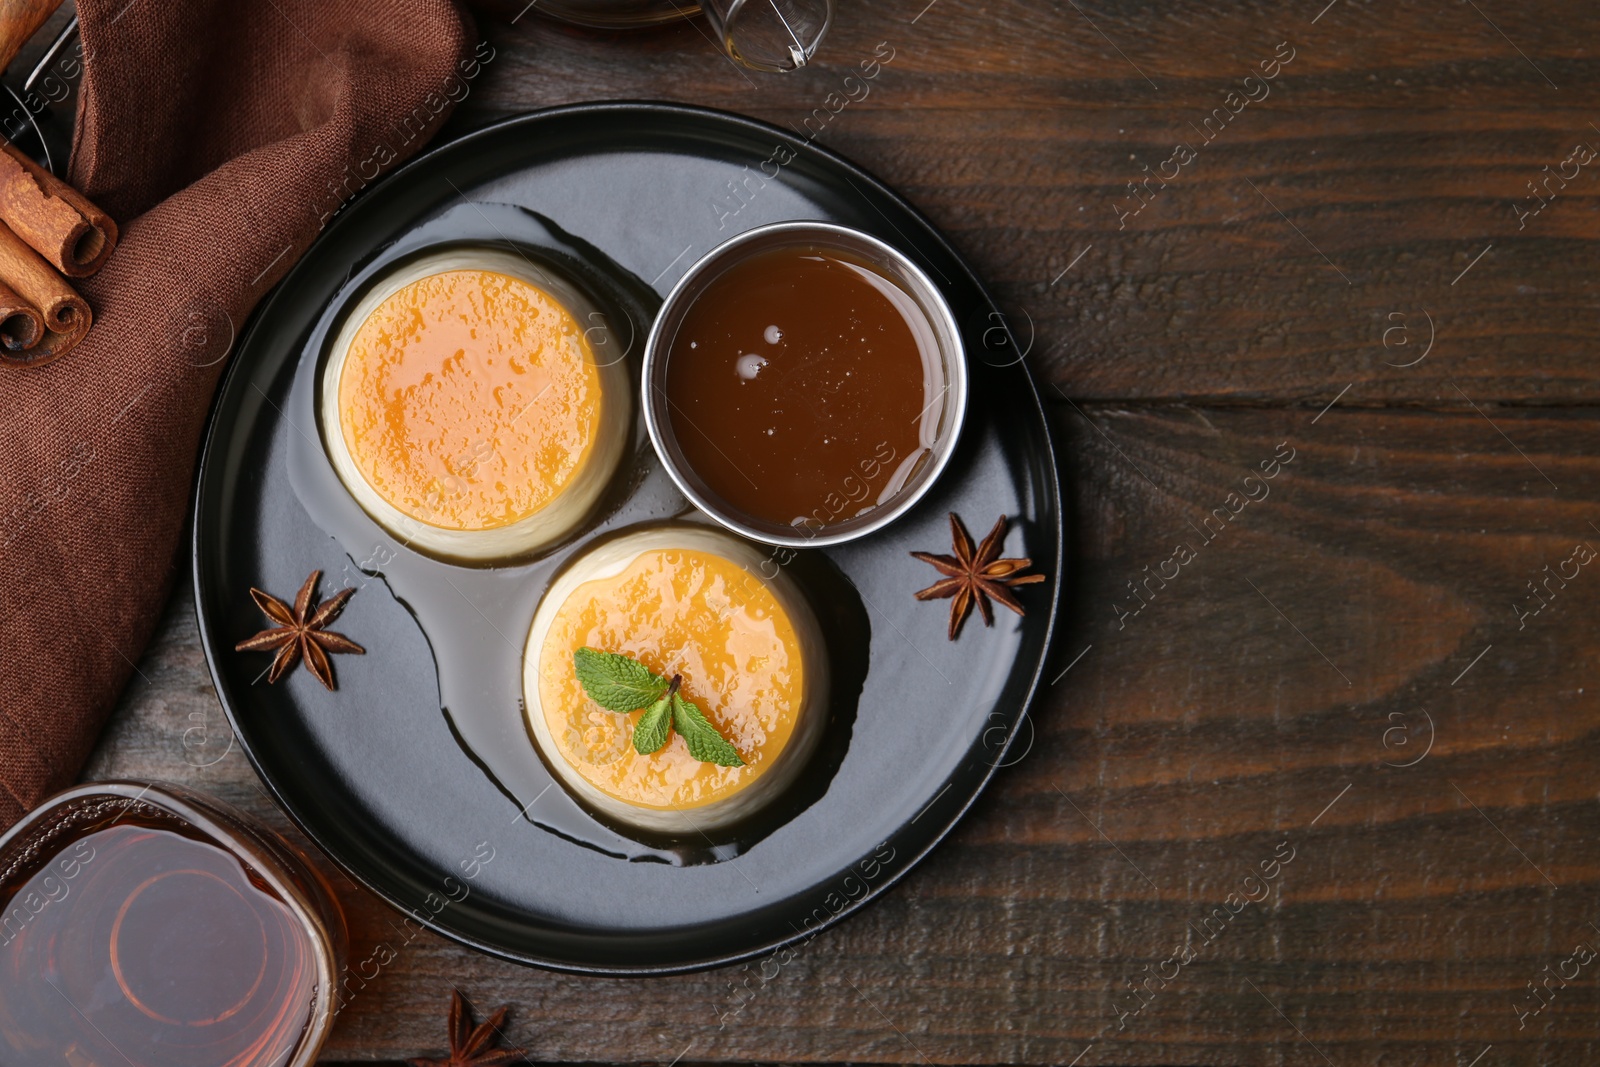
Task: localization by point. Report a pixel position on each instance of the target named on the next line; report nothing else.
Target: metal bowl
(951, 401)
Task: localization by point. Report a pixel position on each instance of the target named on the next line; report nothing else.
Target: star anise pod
(469, 1045)
(975, 576)
(299, 633)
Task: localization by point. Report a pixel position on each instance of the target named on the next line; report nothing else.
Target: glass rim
(727, 21)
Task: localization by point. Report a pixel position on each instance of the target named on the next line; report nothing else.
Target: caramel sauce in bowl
(804, 384)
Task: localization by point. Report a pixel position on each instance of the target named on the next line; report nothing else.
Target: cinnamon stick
(20, 20)
(21, 325)
(52, 346)
(65, 314)
(56, 220)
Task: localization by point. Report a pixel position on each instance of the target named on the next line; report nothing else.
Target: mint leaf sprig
(623, 684)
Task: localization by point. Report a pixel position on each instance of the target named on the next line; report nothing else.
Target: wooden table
(1344, 666)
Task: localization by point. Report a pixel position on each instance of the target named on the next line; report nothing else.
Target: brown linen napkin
(218, 133)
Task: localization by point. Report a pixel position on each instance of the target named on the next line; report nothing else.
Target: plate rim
(210, 443)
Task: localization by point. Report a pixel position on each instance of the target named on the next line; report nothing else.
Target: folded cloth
(220, 134)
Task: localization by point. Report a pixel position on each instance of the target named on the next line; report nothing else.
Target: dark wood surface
(1339, 675)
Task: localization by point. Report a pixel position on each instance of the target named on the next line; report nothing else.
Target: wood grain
(1395, 143)
(1337, 670)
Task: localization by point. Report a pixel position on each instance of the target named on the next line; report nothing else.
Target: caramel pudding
(682, 601)
(463, 407)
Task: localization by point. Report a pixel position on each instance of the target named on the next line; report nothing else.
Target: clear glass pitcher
(768, 35)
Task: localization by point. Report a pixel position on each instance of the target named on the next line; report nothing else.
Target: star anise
(300, 632)
(975, 576)
(469, 1045)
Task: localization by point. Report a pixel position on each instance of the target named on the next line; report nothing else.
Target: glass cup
(770, 35)
(147, 924)
(765, 35)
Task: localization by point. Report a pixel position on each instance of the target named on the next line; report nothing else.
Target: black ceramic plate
(417, 775)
